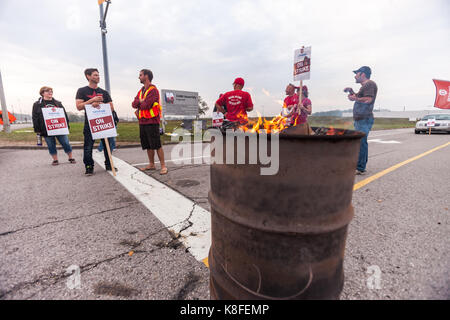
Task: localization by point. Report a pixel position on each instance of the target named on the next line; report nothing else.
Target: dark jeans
(363, 125)
(112, 144)
(88, 145)
(63, 140)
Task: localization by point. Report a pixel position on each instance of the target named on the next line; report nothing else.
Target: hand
(97, 99)
(96, 105)
(352, 97)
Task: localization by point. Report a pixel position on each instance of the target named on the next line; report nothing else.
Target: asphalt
(55, 217)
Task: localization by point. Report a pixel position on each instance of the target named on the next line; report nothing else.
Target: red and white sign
(55, 121)
(217, 119)
(302, 63)
(442, 100)
(431, 122)
(101, 121)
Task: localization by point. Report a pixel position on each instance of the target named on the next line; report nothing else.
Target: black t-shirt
(48, 103)
(87, 93)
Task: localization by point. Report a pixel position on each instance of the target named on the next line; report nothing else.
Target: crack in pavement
(62, 220)
(52, 279)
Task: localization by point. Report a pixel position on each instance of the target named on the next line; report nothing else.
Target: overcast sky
(203, 45)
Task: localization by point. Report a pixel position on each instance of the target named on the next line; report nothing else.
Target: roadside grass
(129, 131)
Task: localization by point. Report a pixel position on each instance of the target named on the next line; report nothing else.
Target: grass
(129, 131)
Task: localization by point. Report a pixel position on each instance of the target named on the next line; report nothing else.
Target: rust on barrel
(283, 236)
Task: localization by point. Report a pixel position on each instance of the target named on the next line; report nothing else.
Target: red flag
(10, 116)
(442, 94)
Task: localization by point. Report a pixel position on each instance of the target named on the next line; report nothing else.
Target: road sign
(179, 104)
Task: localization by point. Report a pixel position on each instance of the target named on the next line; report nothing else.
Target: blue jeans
(63, 140)
(112, 144)
(363, 125)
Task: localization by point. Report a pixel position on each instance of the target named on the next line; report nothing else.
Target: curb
(77, 146)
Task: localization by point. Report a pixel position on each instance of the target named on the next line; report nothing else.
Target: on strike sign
(55, 121)
(302, 63)
(101, 121)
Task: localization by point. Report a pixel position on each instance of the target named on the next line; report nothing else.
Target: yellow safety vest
(154, 111)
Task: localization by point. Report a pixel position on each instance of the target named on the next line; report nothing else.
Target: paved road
(55, 217)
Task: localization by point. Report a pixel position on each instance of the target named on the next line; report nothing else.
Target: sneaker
(108, 168)
(360, 173)
(89, 170)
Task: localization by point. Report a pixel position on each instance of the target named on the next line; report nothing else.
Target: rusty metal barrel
(282, 236)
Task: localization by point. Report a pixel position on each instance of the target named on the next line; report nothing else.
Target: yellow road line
(364, 182)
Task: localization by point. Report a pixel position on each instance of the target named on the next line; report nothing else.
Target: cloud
(203, 47)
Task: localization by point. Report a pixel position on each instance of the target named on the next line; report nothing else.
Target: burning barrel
(283, 236)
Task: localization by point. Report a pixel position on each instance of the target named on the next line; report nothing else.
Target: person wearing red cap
(237, 103)
(291, 105)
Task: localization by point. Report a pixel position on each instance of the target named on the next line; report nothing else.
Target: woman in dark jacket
(47, 101)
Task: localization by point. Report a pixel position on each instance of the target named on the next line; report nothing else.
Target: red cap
(239, 81)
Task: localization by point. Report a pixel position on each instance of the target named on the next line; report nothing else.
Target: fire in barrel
(282, 236)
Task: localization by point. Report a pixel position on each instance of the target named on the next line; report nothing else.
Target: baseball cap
(366, 70)
(239, 81)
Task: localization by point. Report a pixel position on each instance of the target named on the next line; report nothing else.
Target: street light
(103, 32)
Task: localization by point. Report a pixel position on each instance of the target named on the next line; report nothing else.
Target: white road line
(170, 160)
(382, 141)
(175, 211)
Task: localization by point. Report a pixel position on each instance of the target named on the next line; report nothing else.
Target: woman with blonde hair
(47, 101)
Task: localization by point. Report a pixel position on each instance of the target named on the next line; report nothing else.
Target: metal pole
(6, 125)
(105, 51)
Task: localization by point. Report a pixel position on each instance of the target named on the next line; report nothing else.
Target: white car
(441, 123)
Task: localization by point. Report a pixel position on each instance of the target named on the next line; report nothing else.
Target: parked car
(441, 123)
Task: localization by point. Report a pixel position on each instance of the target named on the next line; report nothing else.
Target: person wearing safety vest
(149, 111)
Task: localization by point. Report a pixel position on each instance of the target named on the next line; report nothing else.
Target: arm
(136, 103)
(94, 101)
(353, 97)
(306, 106)
(35, 117)
(152, 97)
(220, 108)
(249, 104)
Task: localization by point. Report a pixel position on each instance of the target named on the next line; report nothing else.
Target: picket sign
(431, 123)
(302, 70)
(101, 124)
(55, 121)
(217, 119)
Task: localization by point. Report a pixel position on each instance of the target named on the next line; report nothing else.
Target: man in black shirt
(93, 95)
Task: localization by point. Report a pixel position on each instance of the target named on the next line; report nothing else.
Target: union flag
(442, 100)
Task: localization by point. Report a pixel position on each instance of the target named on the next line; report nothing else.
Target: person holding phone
(363, 112)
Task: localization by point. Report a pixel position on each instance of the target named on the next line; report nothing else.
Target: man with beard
(94, 95)
(148, 112)
(362, 112)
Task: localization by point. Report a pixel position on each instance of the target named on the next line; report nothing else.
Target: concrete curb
(77, 146)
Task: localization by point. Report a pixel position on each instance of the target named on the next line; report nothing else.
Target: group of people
(233, 104)
(148, 111)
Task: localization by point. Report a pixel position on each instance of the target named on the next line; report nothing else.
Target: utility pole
(6, 125)
(105, 51)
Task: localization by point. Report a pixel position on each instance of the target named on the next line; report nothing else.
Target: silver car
(442, 123)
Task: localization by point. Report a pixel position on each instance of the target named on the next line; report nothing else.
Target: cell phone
(349, 90)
